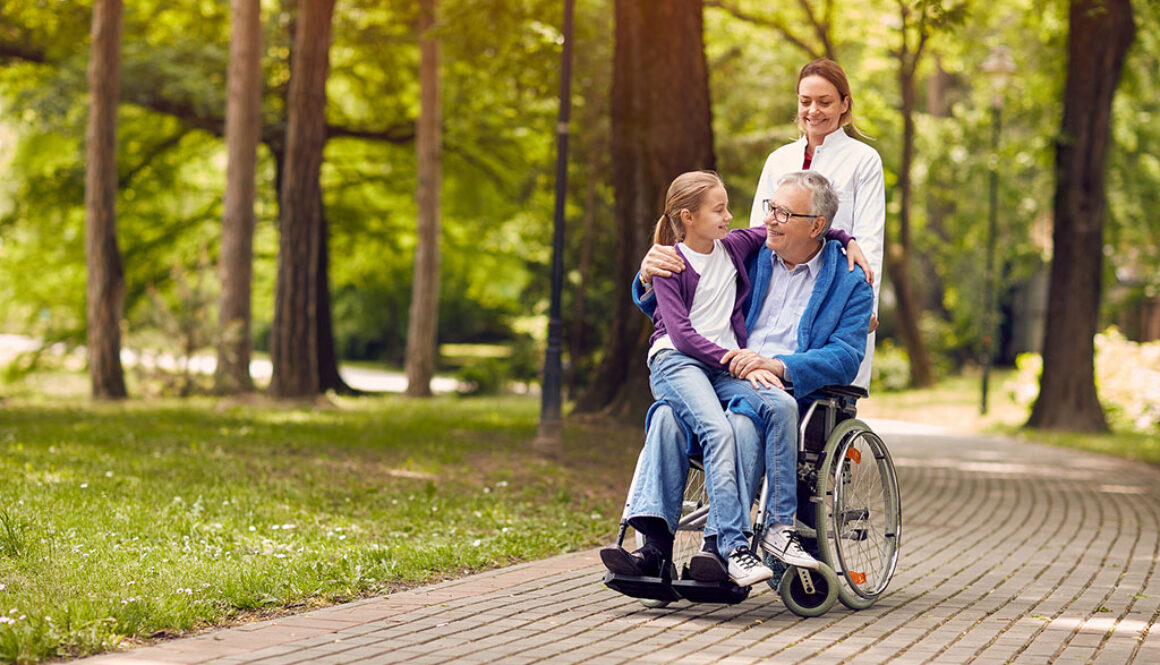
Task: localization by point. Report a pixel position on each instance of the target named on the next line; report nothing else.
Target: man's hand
(873, 323)
(855, 257)
(743, 361)
(661, 260)
(764, 378)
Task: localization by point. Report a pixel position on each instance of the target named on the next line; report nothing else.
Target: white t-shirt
(712, 309)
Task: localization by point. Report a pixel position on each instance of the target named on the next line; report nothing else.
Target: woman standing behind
(825, 109)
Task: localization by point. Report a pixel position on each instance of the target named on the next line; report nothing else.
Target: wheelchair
(849, 517)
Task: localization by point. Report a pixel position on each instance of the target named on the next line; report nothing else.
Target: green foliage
(493, 375)
(122, 522)
(1127, 379)
(891, 370)
(498, 130)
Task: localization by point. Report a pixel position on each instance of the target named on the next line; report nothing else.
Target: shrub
(891, 369)
(1127, 378)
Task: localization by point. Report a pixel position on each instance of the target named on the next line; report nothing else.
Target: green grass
(955, 403)
(121, 522)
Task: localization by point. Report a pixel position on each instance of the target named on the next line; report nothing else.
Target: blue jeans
(773, 449)
(770, 444)
(692, 389)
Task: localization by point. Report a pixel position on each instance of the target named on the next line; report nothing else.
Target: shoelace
(745, 559)
(793, 544)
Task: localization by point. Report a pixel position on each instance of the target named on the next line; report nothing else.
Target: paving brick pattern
(1012, 553)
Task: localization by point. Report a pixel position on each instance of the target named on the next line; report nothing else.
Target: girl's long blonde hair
(686, 193)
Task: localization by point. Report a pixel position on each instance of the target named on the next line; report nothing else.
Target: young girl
(698, 319)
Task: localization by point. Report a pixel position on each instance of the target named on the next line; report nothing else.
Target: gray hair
(823, 198)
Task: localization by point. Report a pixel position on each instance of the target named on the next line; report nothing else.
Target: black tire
(859, 513)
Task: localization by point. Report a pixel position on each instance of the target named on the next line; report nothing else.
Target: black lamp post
(999, 67)
(548, 438)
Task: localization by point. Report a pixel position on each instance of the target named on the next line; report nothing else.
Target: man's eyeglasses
(780, 215)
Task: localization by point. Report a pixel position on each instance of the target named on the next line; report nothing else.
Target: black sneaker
(645, 562)
(707, 567)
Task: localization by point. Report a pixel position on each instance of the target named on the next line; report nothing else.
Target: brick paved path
(1012, 553)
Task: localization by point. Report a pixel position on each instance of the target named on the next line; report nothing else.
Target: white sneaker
(783, 544)
(745, 569)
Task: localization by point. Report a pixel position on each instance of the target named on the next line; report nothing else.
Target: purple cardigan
(674, 297)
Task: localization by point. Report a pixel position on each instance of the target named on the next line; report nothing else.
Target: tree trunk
(329, 377)
(106, 279)
(422, 327)
(899, 254)
(1100, 32)
(661, 127)
(294, 333)
(243, 127)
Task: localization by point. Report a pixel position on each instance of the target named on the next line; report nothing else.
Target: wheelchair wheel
(859, 521)
(690, 529)
(809, 593)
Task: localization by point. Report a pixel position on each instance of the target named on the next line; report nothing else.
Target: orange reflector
(854, 454)
(859, 578)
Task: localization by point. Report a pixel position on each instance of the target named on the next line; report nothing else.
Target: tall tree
(294, 332)
(422, 326)
(243, 129)
(106, 278)
(919, 22)
(1100, 32)
(661, 127)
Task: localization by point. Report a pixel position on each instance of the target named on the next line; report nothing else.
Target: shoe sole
(752, 579)
(618, 561)
(707, 569)
(812, 564)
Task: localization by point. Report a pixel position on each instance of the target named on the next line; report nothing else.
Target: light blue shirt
(776, 329)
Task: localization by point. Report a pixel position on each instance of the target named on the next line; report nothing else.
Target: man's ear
(816, 227)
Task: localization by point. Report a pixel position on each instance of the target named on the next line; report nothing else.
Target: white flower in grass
(286, 527)
(3, 587)
(477, 543)
(502, 483)
(6, 621)
(108, 474)
(84, 485)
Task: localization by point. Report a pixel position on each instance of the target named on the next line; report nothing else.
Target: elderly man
(807, 318)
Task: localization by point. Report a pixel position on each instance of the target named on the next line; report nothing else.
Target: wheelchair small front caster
(809, 593)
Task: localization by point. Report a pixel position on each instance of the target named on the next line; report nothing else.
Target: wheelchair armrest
(854, 392)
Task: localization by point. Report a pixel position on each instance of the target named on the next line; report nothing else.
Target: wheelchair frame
(849, 514)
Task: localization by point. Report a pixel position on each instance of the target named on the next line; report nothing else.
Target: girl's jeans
(735, 448)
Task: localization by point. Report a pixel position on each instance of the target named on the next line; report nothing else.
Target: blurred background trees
(928, 116)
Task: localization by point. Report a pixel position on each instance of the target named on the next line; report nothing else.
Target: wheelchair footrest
(711, 592)
(652, 588)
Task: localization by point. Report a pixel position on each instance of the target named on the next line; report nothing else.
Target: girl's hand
(661, 260)
(855, 257)
(764, 378)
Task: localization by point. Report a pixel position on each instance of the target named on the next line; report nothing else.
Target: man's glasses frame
(781, 215)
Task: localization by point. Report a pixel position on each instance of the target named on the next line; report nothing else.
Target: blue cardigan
(832, 332)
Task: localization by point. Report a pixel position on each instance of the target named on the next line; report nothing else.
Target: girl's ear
(686, 216)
